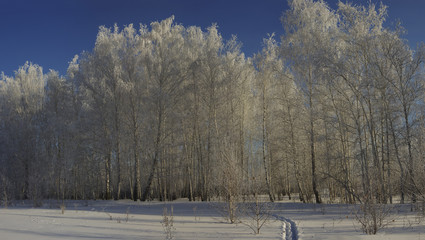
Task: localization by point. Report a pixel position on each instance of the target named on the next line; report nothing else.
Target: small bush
(168, 224)
(373, 217)
(256, 214)
(127, 214)
(63, 207)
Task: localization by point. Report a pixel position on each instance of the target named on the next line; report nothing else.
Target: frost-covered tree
(59, 134)
(22, 107)
(309, 27)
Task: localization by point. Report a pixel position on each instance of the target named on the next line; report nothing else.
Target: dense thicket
(333, 109)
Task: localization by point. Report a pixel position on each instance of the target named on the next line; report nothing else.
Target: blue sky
(51, 32)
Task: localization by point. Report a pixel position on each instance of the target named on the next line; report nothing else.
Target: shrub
(168, 224)
(373, 216)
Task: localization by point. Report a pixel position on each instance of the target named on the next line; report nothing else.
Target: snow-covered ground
(338, 221)
(192, 220)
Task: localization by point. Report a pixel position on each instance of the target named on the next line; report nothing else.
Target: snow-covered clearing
(192, 220)
(337, 221)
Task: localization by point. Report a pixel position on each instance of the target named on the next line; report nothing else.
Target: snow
(192, 220)
(337, 221)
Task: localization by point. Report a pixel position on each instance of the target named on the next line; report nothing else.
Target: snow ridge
(289, 228)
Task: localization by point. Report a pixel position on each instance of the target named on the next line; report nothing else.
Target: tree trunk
(155, 161)
(267, 171)
(118, 151)
(409, 147)
(108, 177)
(312, 152)
(400, 164)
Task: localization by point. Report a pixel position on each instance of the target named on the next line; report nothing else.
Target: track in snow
(291, 230)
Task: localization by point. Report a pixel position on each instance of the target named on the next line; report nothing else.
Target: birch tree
(308, 26)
